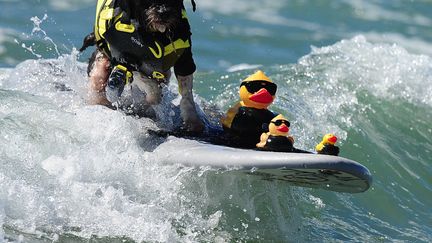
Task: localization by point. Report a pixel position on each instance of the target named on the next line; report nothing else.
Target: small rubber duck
(277, 139)
(327, 145)
(244, 121)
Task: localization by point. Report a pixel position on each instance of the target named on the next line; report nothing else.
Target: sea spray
(72, 170)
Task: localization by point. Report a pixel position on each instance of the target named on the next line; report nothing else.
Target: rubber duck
(244, 121)
(327, 145)
(277, 138)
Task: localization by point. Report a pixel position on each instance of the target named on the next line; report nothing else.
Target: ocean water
(70, 172)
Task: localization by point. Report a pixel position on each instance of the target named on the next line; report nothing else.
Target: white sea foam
(2, 216)
(396, 74)
(413, 44)
(85, 170)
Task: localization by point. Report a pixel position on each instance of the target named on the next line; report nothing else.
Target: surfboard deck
(327, 172)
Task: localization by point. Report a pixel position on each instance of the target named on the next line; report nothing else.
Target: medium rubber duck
(277, 139)
(327, 145)
(244, 121)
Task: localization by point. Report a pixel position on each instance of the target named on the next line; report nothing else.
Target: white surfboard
(300, 169)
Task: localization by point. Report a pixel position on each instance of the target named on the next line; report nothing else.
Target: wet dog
(138, 42)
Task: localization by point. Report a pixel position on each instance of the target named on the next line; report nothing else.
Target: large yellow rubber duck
(327, 145)
(244, 121)
(277, 138)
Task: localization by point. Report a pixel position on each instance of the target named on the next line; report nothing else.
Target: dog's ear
(89, 40)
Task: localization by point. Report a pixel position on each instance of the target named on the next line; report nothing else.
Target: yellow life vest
(125, 45)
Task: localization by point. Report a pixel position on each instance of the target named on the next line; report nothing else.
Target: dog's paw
(191, 120)
(193, 125)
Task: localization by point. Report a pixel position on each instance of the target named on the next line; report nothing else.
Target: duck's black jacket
(246, 124)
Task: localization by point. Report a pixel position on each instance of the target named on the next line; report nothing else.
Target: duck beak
(282, 128)
(332, 139)
(262, 96)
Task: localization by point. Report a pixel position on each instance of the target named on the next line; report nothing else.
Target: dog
(138, 42)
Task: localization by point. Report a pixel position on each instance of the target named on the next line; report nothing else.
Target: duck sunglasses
(255, 86)
(280, 122)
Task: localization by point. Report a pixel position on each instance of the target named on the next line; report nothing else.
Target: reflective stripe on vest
(104, 13)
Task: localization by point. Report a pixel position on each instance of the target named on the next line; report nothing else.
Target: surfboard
(327, 172)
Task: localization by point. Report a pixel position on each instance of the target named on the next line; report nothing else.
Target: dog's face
(158, 15)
